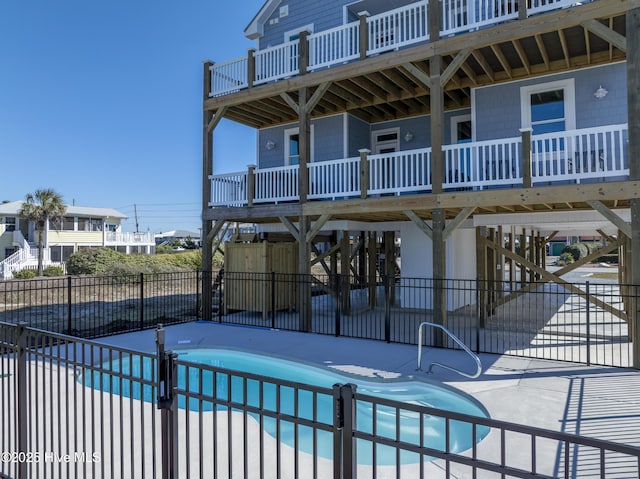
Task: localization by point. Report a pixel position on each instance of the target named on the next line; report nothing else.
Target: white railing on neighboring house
(390, 30)
(277, 62)
(337, 45)
(274, 185)
(115, 238)
(397, 28)
(591, 154)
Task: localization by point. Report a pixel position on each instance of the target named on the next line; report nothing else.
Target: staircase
(25, 257)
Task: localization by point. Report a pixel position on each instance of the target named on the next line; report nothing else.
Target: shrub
(51, 271)
(25, 274)
(565, 258)
(576, 250)
(93, 261)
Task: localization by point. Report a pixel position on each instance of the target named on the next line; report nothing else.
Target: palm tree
(41, 207)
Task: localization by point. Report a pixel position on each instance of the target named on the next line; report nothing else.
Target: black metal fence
(584, 323)
(76, 408)
(94, 306)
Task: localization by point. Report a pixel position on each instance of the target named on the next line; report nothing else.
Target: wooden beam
(522, 55)
(502, 59)
(457, 221)
(420, 223)
(565, 48)
(484, 64)
(621, 224)
(608, 35)
(317, 226)
(550, 277)
(543, 51)
(217, 226)
(453, 67)
(291, 102)
(319, 259)
(321, 256)
(216, 119)
(418, 73)
(290, 226)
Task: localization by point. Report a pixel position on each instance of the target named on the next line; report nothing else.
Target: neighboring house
(170, 237)
(451, 130)
(81, 227)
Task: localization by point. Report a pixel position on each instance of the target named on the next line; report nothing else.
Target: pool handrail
(458, 342)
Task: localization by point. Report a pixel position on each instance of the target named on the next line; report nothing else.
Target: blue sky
(102, 101)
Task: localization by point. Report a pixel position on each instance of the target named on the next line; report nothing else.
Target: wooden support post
(523, 253)
(390, 263)
(512, 265)
(435, 20)
(499, 265)
(633, 102)
(522, 9)
(304, 271)
(439, 273)
(304, 135)
(362, 258)
(364, 172)
(491, 272)
(303, 52)
(345, 272)
(364, 35)
(531, 257)
(251, 67)
(481, 272)
(526, 157)
(372, 256)
(436, 97)
(207, 171)
(251, 184)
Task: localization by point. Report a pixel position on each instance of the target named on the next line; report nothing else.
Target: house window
(89, 224)
(10, 223)
(548, 107)
(386, 141)
(292, 146)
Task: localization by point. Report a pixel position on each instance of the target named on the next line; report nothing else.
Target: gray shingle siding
(323, 15)
(498, 107)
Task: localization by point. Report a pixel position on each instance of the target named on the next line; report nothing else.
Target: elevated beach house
(468, 132)
(81, 227)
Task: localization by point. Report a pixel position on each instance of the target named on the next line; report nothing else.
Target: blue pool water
(384, 421)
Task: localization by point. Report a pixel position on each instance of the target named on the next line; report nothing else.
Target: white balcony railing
(277, 62)
(400, 172)
(337, 45)
(334, 179)
(591, 154)
(397, 28)
(579, 155)
(114, 238)
(274, 185)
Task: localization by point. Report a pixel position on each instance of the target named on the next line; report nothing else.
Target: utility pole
(135, 212)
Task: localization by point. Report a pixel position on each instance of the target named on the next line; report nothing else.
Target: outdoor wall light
(270, 145)
(600, 93)
(408, 136)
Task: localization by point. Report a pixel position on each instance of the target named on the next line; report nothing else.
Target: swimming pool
(384, 421)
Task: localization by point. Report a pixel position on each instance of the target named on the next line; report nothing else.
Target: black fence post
(221, 290)
(588, 300)
(167, 377)
(338, 287)
(198, 292)
(348, 407)
(387, 309)
(21, 400)
(141, 309)
(69, 306)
